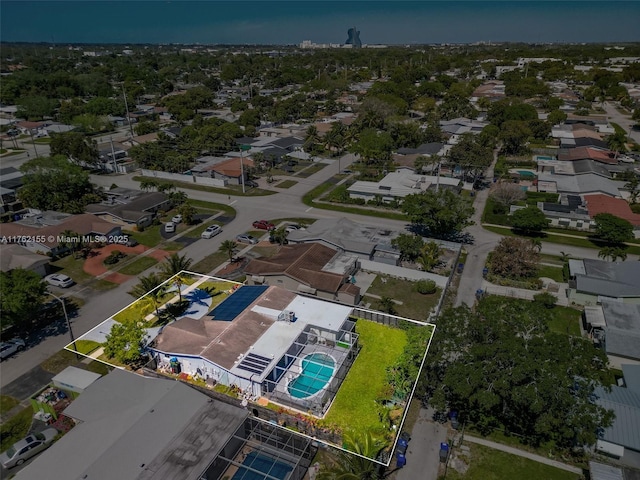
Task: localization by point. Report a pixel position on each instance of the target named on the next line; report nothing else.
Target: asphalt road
(623, 120)
(100, 305)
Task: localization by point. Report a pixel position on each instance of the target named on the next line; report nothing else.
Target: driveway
(423, 458)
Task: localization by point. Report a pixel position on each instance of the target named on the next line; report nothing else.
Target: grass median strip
(138, 266)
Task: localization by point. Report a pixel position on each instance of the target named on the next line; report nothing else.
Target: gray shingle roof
(609, 279)
(138, 428)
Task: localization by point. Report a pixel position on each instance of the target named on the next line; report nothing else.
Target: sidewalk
(522, 453)
(524, 293)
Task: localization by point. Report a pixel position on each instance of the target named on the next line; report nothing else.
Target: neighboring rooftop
(607, 279)
(132, 427)
(616, 206)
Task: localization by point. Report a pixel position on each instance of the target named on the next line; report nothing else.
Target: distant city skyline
(289, 22)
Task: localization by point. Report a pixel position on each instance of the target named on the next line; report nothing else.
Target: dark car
(251, 183)
(263, 225)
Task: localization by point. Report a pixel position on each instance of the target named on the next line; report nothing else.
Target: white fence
(211, 182)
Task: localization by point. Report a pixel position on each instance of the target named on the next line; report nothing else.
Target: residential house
(14, 256)
(41, 232)
(622, 439)
(130, 208)
(458, 126)
(615, 206)
(256, 338)
(368, 242)
(493, 90)
(10, 183)
(615, 326)
(136, 428)
(585, 184)
(310, 268)
(593, 280)
(232, 170)
(397, 185)
(590, 153)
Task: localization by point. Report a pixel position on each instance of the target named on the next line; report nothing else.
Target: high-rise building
(354, 38)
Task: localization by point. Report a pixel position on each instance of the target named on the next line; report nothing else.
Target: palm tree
(355, 467)
(312, 138)
(173, 266)
(149, 290)
(429, 255)
(613, 253)
(229, 247)
(564, 257)
(387, 305)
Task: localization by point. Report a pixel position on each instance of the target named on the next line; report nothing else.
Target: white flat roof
(278, 338)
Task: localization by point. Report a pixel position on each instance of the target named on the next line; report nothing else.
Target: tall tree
(21, 299)
(150, 289)
(77, 147)
(409, 245)
(504, 369)
(612, 229)
(174, 267)
(515, 258)
(125, 342)
(441, 212)
(55, 184)
(529, 220)
(229, 247)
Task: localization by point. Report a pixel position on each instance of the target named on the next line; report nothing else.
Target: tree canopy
(441, 212)
(502, 368)
(612, 229)
(53, 183)
(515, 258)
(530, 219)
(21, 299)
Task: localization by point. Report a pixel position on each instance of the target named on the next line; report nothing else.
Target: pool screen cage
(341, 345)
(259, 450)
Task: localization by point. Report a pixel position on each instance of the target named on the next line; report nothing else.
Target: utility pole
(113, 156)
(35, 150)
(126, 107)
(66, 317)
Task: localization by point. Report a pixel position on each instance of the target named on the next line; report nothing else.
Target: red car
(263, 225)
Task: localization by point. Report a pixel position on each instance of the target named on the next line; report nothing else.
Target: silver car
(246, 238)
(211, 231)
(26, 448)
(10, 347)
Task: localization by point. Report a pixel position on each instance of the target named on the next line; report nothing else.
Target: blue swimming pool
(545, 158)
(257, 466)
(317, 370)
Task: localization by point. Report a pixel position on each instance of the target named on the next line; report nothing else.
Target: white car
(59, 280)
(10, 347)
(211, 231)
(177, 219)
(293, 228)
(169, 227)
(26, 448)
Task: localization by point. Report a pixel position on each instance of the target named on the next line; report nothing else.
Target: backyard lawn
(414, 305)
(210, 262)
(488, 464)
(355, 405)
(565, 320)
(7, 403)
(15, 428)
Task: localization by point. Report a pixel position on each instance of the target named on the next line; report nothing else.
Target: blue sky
(286, 22)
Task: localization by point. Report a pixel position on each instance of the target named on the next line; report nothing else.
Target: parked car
(59, 280)
(10, 347)
(251, 183)
(263, 225)
(177, 219)
(293, 228)
(127, 241)
(211, 231)
(26, 448)
(246, 238)
(169, 227)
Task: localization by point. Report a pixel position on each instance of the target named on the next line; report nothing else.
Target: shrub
(546, 299)
(426, 287)
(114, 257)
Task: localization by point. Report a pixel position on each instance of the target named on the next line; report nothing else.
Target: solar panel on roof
(260, 357)
(231, 307)
(254, 363)
(250, 369)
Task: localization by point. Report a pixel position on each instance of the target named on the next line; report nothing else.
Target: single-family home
(310, 268)
(256, 340)
(14, 256)
(127, 207)
(622, 439)
(42, 232)
(132, 427)
(593, 280)
(599, 203)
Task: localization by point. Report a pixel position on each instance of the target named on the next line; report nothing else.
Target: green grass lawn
(315, 168)
(73, 267)
(210, 262)
(266, 251)
(97, 367)
(286, 184)
(355, 405)
(414, 305)
(554, 273)
(59, 361)
(15, 428)
(138, 266)
(488, 464)
(565, 320)
(575, 242)
(7, 403)
(86, 346)
(231, 190)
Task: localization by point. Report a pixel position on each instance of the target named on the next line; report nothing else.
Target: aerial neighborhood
(328, 261)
